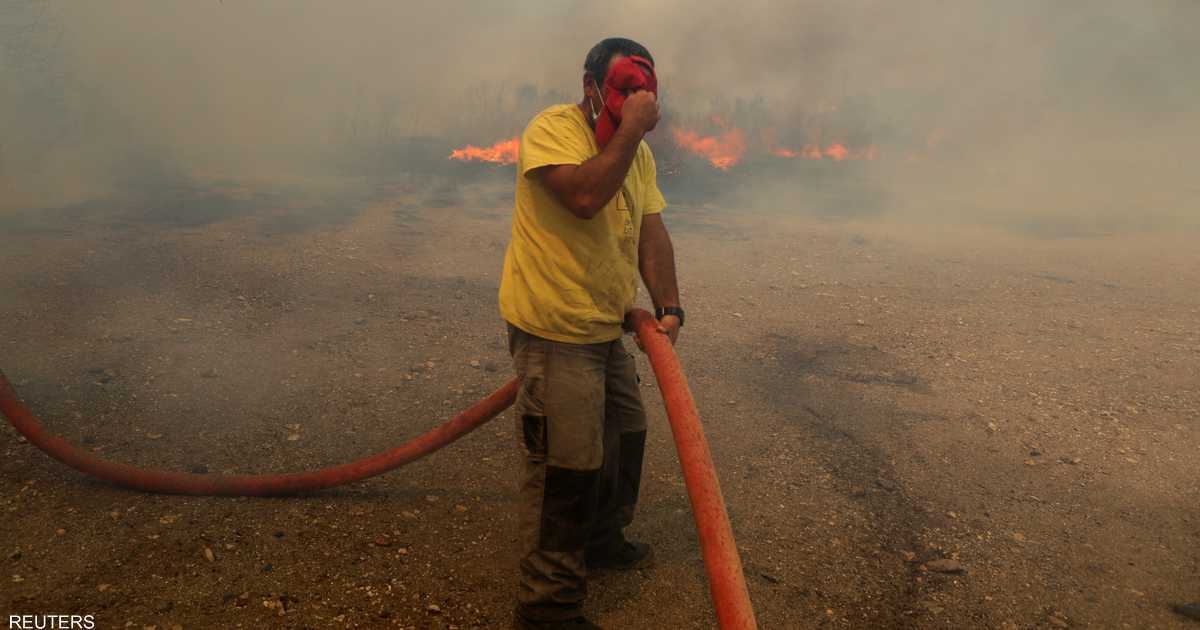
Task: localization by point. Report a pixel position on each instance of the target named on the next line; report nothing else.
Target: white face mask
(596, 114)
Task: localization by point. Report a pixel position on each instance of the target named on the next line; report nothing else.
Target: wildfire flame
(503, 152)
(726, 149)
(722, 151)
(837, 152)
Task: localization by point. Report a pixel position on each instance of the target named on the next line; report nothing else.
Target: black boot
(1191, 611)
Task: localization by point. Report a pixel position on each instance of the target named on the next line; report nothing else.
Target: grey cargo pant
(582, 430)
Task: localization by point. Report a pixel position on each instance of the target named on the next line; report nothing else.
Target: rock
(1058, 620)
(490, 366)
(103, 587)
(461, 509)
(908, 556)
(770, 578)
(153, 436)
(209, 373)
(944, 565)
(476, 364)
(1191, 611)
(431, 498)
(858, 491)
(434, 609)
(267, 568)
(886, 484)
(293, 437)
(383, 541)
(1019, 537)
(208, 555)
(60, 532)
(360, 321)
(198, 469)
(859, 322)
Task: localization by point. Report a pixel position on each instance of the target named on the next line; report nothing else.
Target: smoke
(1079, 115)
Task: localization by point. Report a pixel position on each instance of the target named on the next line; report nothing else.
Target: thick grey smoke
(1073, 113)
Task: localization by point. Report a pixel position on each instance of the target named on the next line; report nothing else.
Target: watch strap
(662, 311)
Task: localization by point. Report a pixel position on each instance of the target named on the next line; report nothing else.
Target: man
(586, 221)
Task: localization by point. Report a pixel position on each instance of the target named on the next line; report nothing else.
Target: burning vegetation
(718, 141)
(502, 152)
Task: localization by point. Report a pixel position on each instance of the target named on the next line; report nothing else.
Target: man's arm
(656, 261)
(585, 188)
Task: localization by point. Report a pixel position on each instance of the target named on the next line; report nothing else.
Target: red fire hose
(727, 583)
(168, 482)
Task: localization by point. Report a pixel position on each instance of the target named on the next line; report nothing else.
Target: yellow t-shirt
(565, 278)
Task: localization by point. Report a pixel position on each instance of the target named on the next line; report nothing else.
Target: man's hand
(668, 325)
(640, 111)
(584, 189)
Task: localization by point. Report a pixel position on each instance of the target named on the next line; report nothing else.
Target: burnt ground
(885, 402)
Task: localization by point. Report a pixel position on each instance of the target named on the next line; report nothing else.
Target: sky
(1073, 111)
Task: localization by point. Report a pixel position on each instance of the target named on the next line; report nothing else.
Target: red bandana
(625, 75)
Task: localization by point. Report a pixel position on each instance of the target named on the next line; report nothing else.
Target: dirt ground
(915, 427)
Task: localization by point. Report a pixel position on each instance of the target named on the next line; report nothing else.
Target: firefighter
(586, 223)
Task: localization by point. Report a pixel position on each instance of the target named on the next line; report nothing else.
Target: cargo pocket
(533, 429)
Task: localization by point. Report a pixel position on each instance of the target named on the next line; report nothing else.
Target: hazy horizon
(1075, 113)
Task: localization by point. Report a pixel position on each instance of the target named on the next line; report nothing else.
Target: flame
(836, 151)
(813, 151)
(722, 151)
(503, 152)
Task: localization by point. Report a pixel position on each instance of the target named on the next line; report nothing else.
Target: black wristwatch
(677, 311)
